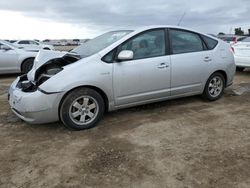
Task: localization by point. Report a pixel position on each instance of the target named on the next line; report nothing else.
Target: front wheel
(214, 87)
(82, 109)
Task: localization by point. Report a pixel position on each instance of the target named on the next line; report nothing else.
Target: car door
(8, 60)
(190, 62)
(147, 76)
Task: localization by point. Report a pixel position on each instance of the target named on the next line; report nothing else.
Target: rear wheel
(214, 87)
(27, 66)
(82, 109)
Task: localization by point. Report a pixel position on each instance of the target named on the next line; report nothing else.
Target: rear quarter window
(211, 43)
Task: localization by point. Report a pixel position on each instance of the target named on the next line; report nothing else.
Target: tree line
(238, 31)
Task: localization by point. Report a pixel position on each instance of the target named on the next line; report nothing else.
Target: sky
(69, 19)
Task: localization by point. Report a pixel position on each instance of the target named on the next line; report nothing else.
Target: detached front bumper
(242, 61)
(34, 107)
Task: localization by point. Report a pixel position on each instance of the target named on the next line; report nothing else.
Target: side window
(185, 42)
(146, 45)
(33, 42)
(211, 43)
(109, 57)
(23, 42)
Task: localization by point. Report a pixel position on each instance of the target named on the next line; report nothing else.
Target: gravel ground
(181, 143)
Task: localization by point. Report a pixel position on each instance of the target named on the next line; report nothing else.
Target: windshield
(99, 43)
(9, 44)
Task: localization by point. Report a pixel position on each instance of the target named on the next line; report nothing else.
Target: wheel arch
(100, 91)
(224, 75)
(24, 60)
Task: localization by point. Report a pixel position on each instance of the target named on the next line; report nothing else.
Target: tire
(78, 107)
(240, 69)
(214, 89)
(27, 66)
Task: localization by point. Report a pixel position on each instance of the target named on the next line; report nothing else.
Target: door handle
(207, 59)
(163, 65)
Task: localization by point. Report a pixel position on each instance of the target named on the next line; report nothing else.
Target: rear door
(189, 62)
(147, 76)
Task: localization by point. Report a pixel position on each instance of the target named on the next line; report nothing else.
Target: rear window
(185, 41)
(23, 42)
(228, 39)
(211, 43)
(246, 39)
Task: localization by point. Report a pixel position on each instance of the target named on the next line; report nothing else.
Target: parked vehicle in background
(12, 41)
(242, 53)
(76, 42)
(121, 69)
(15, 60)
(82, 41)
(32, 44)
(213, 35)
(231, 39)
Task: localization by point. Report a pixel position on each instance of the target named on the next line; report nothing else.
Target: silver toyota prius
(120, 69)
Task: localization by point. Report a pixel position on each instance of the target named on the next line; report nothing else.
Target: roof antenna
(179, 23)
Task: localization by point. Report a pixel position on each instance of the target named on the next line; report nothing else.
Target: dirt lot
(182, 143)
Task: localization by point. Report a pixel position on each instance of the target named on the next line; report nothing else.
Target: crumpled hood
(43, 57)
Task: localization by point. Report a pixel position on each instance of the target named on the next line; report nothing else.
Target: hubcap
(215, 86)
(83, 110)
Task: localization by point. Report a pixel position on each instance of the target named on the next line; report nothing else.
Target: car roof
(143, 28)
(156, 27)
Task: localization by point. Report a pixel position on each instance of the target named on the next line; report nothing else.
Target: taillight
(235, 40)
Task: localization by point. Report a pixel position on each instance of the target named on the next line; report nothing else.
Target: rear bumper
(242, 61)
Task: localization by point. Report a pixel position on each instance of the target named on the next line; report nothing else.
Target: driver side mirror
(126, 55)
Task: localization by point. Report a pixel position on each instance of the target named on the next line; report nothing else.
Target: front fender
(72, 77)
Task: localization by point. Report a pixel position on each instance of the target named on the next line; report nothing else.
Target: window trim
(202, 37)
(113, 57)
(204, 45)
(167, 46)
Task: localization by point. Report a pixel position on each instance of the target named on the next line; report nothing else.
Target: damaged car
(121, 69)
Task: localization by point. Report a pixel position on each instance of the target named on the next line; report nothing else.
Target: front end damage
(27, 100)
(44, 68)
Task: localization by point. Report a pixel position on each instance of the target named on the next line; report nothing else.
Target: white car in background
(14, 59)
(242, 53)
(231, 39)
(33, 45)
